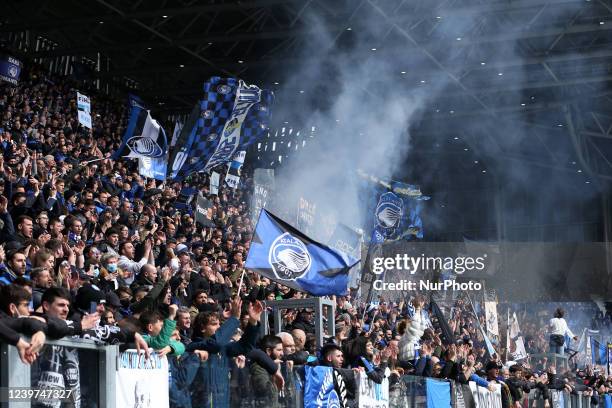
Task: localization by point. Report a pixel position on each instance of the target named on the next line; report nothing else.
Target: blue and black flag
(599, 352)
(397, 214)
(282, 253)
(144, 137)
(231, 116)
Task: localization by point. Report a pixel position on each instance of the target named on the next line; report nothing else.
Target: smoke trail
(357, 96)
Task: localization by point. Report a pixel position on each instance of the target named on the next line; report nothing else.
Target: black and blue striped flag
(231, 116)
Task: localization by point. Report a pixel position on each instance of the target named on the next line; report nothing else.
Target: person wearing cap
(492, 369)
(89, 299)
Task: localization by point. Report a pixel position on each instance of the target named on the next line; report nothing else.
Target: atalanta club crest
(389, 212)
(224, 89)
(13, 71)
(289, 257)
(333, 401)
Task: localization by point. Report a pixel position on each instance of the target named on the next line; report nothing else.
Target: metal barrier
(558, 360)
(563, 399)
(82, 366)
(90, 369)
(408, 391)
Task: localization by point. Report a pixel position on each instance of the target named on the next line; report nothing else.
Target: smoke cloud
(367, 86)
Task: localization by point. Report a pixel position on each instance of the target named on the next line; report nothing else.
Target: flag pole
(91, 161)
(241, 280)
(508, 335)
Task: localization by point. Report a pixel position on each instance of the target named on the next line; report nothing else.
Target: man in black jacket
(261, 381)
(41, 281)
(14, 312)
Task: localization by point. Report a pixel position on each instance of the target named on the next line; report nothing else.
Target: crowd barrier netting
(101, 376)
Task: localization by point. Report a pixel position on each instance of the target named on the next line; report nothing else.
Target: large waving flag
(231, 116)
(397, 214)
(282, 253)
(145, 140)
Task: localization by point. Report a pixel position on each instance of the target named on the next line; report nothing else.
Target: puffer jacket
(409, 342)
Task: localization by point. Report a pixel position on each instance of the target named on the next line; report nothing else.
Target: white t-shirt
(559, 327)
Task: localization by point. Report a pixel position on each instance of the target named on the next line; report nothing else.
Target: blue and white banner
(286, 255)
(231, 116)
(84, 110)
(214, 182)
(319, 389)
(371, 394)
(232, 178)
(142, 382)
(10, 69)
(153, 168)
(178, 126)
(599, 353)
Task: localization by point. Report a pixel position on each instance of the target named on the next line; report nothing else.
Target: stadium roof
(555, 82)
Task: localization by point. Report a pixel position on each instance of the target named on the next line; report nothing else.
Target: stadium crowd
(92, 249)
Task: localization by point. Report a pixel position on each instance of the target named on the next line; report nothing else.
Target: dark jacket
(266, 393)
(141, 280)
(211, 387)
(37, 297)
(183, 372)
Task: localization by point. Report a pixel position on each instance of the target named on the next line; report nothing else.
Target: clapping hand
(255, 311)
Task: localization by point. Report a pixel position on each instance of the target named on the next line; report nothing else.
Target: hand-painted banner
(232, 177)
(84, 110)
(371, 394)
(483, 398)
(306, 216)
(142, 382)
(214, 183)
(491, 318)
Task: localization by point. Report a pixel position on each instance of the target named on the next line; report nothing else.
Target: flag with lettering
(231, 116)
(10, 69)
(232, 178)
(84, 110)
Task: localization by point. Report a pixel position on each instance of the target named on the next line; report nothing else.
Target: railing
(90, 370)
(81, 366)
